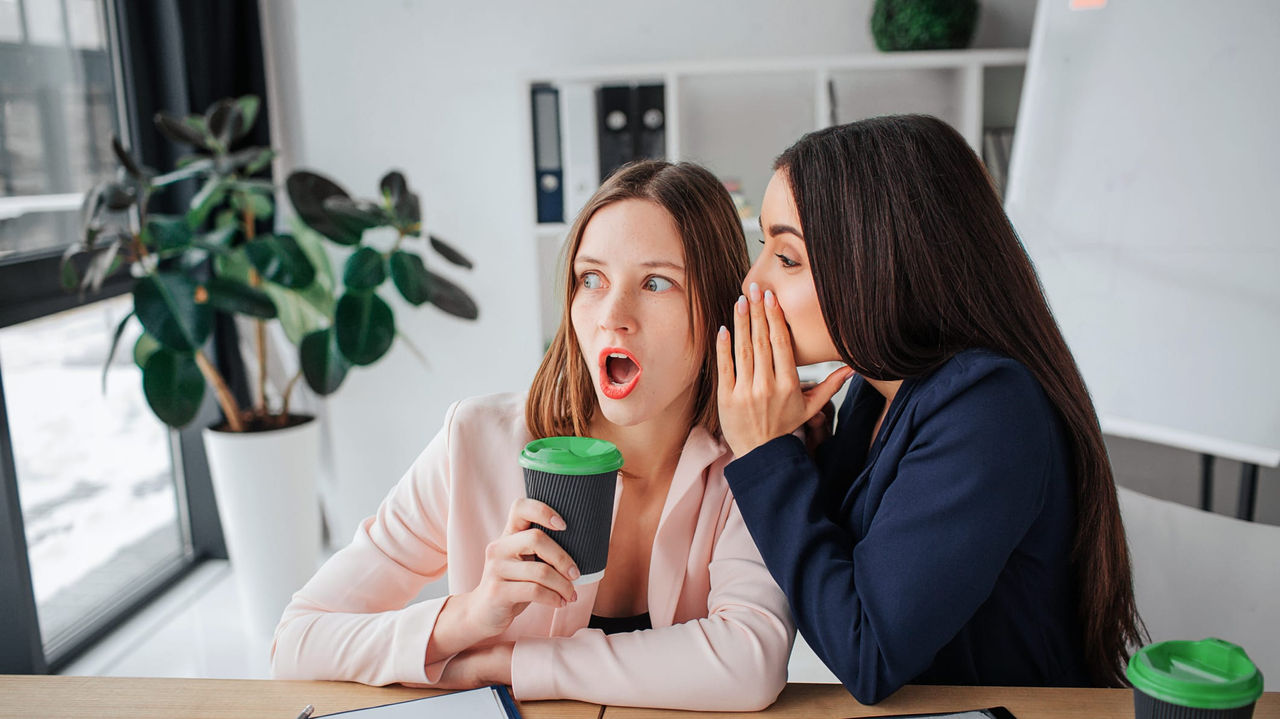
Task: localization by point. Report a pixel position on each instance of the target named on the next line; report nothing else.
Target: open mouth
(619, 372)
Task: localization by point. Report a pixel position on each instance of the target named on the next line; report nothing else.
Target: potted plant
(214, 258)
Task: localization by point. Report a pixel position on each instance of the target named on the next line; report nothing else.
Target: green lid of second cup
(1208, 674)
(571, 455)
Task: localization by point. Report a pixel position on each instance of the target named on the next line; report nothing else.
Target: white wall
(438, 90)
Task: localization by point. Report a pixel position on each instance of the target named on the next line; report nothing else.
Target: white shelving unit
(736, 116)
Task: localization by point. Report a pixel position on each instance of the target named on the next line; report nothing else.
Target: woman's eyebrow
(785, 230)
(651, 264)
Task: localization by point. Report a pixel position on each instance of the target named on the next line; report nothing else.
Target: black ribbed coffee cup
(577, 477)
(1146, 706)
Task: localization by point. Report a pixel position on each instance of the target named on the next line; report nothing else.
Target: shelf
(924, 59)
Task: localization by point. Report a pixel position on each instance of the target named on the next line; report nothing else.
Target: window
(96, 495)
(94, 469)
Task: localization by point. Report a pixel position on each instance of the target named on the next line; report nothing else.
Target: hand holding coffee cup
(577, 478)
(511, 582)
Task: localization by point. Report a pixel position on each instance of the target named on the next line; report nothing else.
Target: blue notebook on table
(484, 703)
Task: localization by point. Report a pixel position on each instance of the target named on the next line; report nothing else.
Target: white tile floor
(195, 631)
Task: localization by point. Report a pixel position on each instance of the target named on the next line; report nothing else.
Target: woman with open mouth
(687, 615)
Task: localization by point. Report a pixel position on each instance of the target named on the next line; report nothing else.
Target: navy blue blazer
(940, 554)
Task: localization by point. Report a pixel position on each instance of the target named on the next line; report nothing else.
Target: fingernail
(724, 332)
(575, 597)
(754, 291)
(742, 305)
(769, 299)
(557, 522)
(574, 574)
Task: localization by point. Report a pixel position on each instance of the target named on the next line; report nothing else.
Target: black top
(943, 554)
(618, 625)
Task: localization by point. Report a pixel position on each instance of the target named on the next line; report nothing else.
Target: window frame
(30, 289)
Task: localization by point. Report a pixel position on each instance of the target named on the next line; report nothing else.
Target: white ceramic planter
(265, 483)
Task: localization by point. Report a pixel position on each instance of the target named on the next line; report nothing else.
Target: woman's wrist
(454, 630)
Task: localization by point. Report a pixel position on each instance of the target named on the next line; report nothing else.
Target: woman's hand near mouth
(763, 399)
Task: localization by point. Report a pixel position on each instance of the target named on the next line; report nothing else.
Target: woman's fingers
(818, 397)
(540, 575)
(743, 354)
(724, 364)
(762, 355)
(536, 543)
(784, 361)
(526, 512)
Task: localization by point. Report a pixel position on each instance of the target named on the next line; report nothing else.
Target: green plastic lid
(1208, 674)
(571, 455)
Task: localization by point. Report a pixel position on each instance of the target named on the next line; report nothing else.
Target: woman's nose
(617, 313)
(756, 275)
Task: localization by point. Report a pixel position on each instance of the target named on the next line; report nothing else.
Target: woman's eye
(658, 284)
(786, 261)
(591, 281)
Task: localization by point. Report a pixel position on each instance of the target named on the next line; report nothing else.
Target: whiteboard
(1145, 184)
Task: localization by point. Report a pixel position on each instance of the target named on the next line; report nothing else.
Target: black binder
(548, 167)
(652, 122)
(616, 110)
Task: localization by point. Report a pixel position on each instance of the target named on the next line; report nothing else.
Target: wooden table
(831, 701)
(62, 697)
(59, 697)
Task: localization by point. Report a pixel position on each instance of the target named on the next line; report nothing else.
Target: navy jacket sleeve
(877, 608)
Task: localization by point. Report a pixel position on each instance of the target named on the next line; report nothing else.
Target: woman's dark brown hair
(914, 260)
(562, 399)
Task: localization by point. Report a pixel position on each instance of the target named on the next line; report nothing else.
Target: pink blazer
(721, 633)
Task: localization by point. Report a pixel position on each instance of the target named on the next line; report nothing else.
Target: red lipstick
(619, 372)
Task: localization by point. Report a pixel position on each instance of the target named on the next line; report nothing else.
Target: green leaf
(312, 244)
(260, 205)
(168, 306)
(237, 298)
(119, 196)
(166, 232)
(365, 269)
(69, 274)
(365, 327)
(111, 353)
(126, 158)
(323, 365)
(278, 258)
(260, 161)
(307, 193)
(224, 120)
(410, 277)
(144, 348)
(233, 265)
(301, 312)
(209, 197)
(173, 386)
(248, 105)
(393, 186)
(451, 298)
(217, 240)
(179, 130)
(355, 216)
(448, 252)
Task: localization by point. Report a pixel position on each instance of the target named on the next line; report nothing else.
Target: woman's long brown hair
(562, 399)
(915, 260)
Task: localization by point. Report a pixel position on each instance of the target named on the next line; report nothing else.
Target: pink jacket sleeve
(733, 660)
(350, 622)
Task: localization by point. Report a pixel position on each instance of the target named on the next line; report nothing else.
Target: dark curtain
(181, 56)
